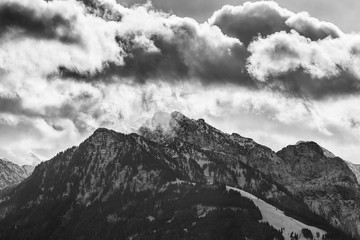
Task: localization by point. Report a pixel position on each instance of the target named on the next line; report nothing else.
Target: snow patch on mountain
(278, 219)
(327, 153)
(355, 168)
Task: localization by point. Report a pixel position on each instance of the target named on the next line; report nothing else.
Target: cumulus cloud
(312, 28)
(37, 35)
(68, 67)
(263, 18)
(142, 44)
(305, 68)
(157, 46)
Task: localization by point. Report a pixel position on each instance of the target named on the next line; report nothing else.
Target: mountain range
(180, 178)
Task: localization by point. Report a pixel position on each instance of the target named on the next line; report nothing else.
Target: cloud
(294, 64)
(36, 20)
(141, 44)
(264, 18)
(313, 28)
(161, 47)
(38, 37)
(68, 67)
(106, 9)
(185, 51)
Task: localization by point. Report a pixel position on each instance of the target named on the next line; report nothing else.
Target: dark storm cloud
(250, 20)
(34, 23)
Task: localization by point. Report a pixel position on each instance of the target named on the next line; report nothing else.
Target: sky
(277, 72)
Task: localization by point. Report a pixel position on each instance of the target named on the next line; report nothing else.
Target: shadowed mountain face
(147, 185)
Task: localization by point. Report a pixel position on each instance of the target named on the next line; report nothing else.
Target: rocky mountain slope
(12, 174)
(168, 181)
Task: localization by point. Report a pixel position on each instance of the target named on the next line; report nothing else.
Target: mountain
(325, 183)
(29, 169)
(34, 161)
(179, 178)
(308, 171)
(356, 170)
(12, 174)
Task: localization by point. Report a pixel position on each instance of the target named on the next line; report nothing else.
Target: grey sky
(345, 14)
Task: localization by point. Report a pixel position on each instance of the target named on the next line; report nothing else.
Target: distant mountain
(29, 169)
(179, 178)
(12, 174)
(34, 161)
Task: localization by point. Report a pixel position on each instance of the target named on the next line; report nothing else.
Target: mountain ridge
(110, 168)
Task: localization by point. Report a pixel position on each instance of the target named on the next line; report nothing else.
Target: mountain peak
(308, 147)
(107, 132)
(103, 130)
(326, 152)
(178, 115)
